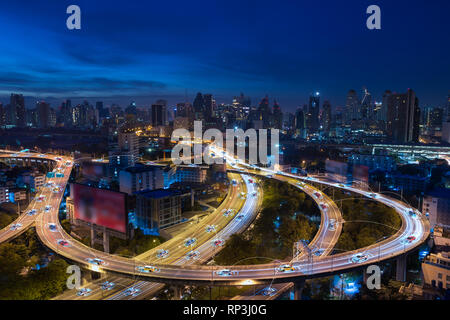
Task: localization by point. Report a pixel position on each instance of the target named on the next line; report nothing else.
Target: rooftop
(158, 193)
(142, 168)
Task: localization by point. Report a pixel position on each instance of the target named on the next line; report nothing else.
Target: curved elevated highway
(414, 231)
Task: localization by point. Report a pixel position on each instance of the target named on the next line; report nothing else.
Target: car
(107, 285)
(132, 291)
(240, 216)
(218, 242)
(332, 225)
(84, 292)
(269, 176)
(40, 198)
(63, 243)
(318, 252)
(250, 180)
(412, 213)
(234, 182)
(56, 190)
(68, 163)
(60, 175)
(226, 273)
(268, 291)
(410, 239)
(162, 253)
(300, 184)
(147, 269)
(318, 195)
(15, 226)
(192, 255)
(254, 193)
(210, 228)
(96, 261)
(189, 242)
(323, 206)
(52, 227)
(41, 155)
(359, 257)
(372, 195)
(32, 212)
(58, 158)
(228, 212)
(47, 208)
(341, 185)
(285, 268)
(49, 184)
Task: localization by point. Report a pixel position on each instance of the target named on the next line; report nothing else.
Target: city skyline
(165, 52)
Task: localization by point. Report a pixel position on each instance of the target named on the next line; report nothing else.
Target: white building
(436, 270)
(436, 205)
(141, 177)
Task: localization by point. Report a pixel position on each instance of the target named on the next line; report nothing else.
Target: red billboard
(102, 207)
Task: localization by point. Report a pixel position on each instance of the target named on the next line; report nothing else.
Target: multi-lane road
(415, 229)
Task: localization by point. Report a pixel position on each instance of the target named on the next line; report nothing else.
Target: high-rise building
(448, 109)
(159, 113)
(128, 142)
(264, 112)
(102, 112)
(366, 106)
(2, 115)
(300, 121)
(352, 107)
(326, 116)
(43, 114)
(199, 107)
(312, 117)
(277, 116)
(403, 117)
(17, 102)
(157, 209)
(209, 104)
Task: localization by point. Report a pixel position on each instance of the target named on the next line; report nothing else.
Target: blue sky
(146, 50)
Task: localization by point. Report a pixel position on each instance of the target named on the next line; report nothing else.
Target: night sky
(146, 50)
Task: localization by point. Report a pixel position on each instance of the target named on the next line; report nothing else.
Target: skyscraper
(277, 116)
(199, 107)
(326, 116)
(300, 122)
(2, 115)
(403, 117)
(352, 107)
(312, 117)
(448, 109)
(159, 113)
(366, 106)
(17, 102)
(43, 114)
(209, 106)
(264, 112)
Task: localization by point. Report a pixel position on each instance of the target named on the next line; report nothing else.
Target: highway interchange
(414, 226)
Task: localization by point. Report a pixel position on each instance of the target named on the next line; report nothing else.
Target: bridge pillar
(298, 289)
(105, 241)
(177, 292)
(92, 236)
(401, 268)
